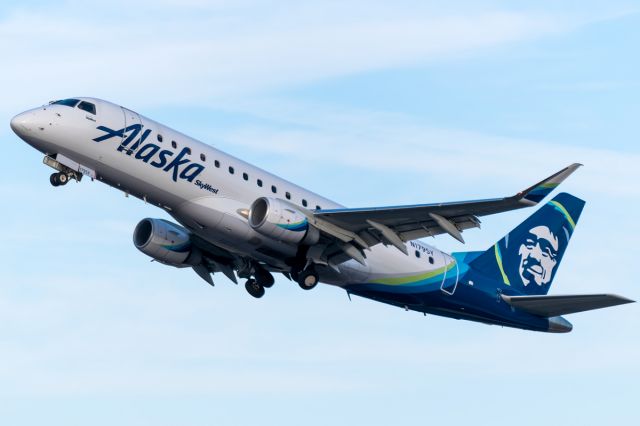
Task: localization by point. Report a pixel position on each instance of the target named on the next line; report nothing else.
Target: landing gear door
(132, 136)
(450, 276)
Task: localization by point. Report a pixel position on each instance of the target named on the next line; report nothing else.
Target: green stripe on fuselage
(414, 279)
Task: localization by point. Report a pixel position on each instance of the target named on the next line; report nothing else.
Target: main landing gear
(255, 286)
(254, 289)
(307, 278)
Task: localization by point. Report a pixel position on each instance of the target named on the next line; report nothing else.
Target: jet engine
(281, 221)
(166, 242)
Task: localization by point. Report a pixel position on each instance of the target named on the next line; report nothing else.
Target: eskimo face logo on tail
(179, 166)
(538, 254)
(530, 254)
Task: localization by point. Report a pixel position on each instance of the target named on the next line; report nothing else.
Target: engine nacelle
(279, 220)
(166, 242)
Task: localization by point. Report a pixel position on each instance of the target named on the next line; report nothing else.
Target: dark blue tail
(528, 257)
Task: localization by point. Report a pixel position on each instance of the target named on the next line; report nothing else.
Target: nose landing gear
(59, 179)
(64, 174)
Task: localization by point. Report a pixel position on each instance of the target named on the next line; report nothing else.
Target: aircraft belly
(467, 303)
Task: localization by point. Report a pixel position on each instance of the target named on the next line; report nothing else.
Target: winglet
(533, 195)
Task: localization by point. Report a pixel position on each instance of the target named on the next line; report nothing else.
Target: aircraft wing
(396, 225)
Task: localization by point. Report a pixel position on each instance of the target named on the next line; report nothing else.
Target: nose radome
(21, 123)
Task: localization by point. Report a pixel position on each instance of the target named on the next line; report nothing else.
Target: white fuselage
(204, 189)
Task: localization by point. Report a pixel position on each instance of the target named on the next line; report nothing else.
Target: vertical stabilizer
(528, 257)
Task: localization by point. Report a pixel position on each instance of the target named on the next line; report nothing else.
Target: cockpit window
(87, 106)
(67, 102)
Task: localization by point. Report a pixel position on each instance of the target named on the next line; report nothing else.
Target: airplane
(239, 220)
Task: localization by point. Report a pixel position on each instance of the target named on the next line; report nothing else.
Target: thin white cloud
(397, 143)
(163, 57)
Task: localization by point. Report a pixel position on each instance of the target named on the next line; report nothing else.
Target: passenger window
(231, 170)
(417, 254)
(174, 144)
(216, 163)
(274, 189)
(304, 203)
(245, 176)
(287, 195)
(259, 182)
(159, 137)
(202, 157)
(87, 106)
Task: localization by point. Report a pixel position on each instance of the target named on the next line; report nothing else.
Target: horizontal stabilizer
(552, 306)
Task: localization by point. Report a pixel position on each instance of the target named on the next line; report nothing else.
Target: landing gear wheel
(58, 179)
(308, 279)
(254, 289)
(264, 278)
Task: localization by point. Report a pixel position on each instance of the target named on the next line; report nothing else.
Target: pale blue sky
(368, 103)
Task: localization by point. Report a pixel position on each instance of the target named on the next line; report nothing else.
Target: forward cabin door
(134, 134)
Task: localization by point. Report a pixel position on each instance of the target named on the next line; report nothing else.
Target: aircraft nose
(21, 124)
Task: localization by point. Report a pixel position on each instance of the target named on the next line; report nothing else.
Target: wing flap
(552, 306)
